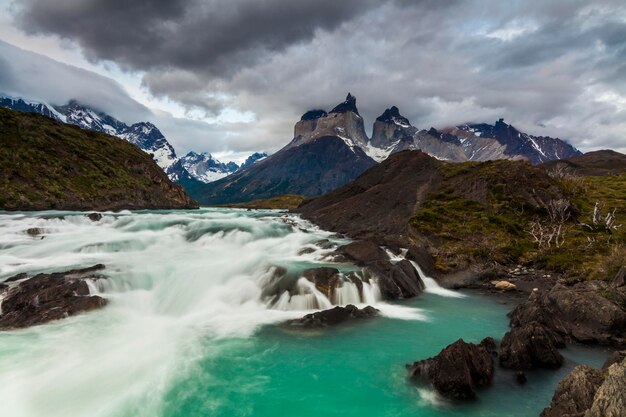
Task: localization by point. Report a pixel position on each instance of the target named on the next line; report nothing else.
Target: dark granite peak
(314, 114)
(392, 115)
(346, 106)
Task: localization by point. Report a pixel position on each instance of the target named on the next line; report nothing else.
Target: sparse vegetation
(512, 213)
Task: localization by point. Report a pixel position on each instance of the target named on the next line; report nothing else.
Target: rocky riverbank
(32, 300)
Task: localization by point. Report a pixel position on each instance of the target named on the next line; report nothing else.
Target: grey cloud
(432, 59)
(210, 36)
(29, 75)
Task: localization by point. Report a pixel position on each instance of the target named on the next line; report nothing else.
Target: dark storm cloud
(214, 36)
(553, 67)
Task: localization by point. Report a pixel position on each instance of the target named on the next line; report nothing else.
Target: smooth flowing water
(190, 329)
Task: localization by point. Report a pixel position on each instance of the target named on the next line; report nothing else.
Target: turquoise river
(190, 329)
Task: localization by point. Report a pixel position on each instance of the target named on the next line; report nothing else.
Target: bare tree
(551, 231)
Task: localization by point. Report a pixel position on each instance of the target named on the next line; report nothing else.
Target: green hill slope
(47, 165)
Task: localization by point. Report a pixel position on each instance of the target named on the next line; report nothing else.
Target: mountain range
(331, 148)
(202, 167)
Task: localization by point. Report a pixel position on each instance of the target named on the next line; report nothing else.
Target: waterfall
(307, 297)
(431, 286)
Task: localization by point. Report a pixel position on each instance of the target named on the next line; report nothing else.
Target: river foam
(174, 280)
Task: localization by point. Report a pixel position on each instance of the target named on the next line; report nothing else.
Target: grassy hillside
(45, 164)
(487, 213)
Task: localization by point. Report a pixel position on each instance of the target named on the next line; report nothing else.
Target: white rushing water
(431, 286)
(174, 280)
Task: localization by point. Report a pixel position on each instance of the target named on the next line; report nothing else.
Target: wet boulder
(399, 280)
(459, 370)
(333, 317)
(396, 280)
(46, 297)
(94, 217)
(326, 279)
(531, 346)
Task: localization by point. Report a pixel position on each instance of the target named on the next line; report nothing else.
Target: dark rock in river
(34, 231)
(325, 279)
(458, 370)
(588, 312)
(399, 280)
(531, 346)
(334, 316)
(47, 297)
(94, 217)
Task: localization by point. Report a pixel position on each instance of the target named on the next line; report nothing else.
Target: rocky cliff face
(50, 165)
(342, 121)
(589, 392)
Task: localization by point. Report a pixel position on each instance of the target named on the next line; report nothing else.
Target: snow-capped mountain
(470, 142)
(325, 153)
(203, 167)
(193, 166)
(145, 135)
(255, 157)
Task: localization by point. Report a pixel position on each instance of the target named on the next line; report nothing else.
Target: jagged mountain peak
(392, 115)
(349, 105)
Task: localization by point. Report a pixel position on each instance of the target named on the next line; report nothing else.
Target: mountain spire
(346, 106)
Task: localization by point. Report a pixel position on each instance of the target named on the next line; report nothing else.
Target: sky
(231, 77)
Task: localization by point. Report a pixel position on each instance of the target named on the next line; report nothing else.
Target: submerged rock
(334, 316)
(531, 346)
(47, 297)
(588, 312)
(459, 370)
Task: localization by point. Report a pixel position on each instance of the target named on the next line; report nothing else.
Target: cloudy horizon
(233, 78)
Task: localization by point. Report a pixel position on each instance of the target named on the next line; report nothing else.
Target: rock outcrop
(589, 392)
(343, 121)
(587, 312)
(333, 317)
(459, 370)
(531, 346)
(574, 394)
(396, 280)
(610, 399)
(46, 297)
